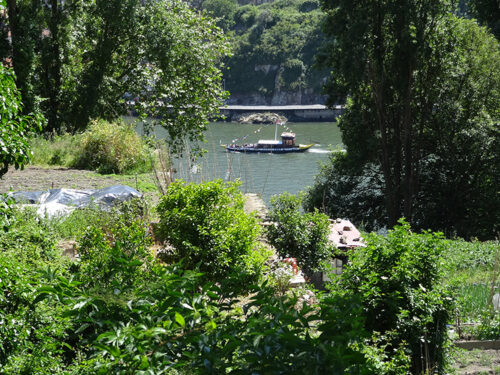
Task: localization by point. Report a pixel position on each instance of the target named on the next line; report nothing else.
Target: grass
(105, 147)
(464, 358)
(59, 150)
(473, 299)
(470, 270)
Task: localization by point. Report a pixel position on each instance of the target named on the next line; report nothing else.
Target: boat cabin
(288, 139)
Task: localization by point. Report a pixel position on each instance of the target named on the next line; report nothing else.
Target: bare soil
(34, 178)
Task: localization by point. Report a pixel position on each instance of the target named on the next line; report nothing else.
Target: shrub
(208, 227)
(396, 280)
(28, 237)
(14, 126)
(114, 247)
(296, 234)
(112, 148)
(30, 333)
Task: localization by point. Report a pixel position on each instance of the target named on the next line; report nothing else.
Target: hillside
(273, 44)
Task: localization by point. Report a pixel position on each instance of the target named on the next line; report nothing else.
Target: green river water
(264, 174)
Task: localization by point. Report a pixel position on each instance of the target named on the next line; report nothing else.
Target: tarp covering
(58, 202)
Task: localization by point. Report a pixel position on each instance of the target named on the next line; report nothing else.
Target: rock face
(261, 118)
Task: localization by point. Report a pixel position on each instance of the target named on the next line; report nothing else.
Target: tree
(182, 78)
(423, 94)
(488, 13)
(278, 40)
(224, 10)
(14, 127)
(43, 53)
(22, 34)
(86, 58)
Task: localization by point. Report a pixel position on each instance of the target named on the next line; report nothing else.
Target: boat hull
(274, 150)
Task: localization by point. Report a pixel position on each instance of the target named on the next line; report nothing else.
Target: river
(265, 174)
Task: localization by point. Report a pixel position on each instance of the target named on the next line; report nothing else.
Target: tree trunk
(377, 78)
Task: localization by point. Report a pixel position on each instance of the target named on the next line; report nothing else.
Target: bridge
(294, 113)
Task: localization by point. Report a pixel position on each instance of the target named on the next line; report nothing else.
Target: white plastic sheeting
(60, 202)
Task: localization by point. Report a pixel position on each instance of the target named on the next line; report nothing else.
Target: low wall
(294, 113)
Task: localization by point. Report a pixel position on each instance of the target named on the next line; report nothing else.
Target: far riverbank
(294, 113)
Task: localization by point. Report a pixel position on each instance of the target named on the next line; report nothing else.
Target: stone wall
(305, 97)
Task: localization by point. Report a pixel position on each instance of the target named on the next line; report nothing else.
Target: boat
(286, 145)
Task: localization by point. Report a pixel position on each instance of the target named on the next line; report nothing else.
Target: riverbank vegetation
(421, 124)
(80, 62)
(104, 147)
(118, 306)
(192, 287)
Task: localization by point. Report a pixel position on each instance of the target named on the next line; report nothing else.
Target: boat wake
(319, 151)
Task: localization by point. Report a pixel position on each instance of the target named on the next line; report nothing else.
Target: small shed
(344, 236)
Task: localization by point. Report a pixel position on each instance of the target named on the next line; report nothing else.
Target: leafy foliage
(117, 310)
(55, 150)
(30, 237)
(488, 13)
(31, 335)
(278, 40)
(223, 10)
(299, 235)
(397, 281)
(15, 128)
(470, 273)
(182, 83)
(421, 118)
(339, 193)
(112, 148)
(208, 228)
(88, 58)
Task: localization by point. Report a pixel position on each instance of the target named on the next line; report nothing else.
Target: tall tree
(419, 93)
(182, 81)
(109, 48)
(86, 57)
(23, 31)
(488, 13)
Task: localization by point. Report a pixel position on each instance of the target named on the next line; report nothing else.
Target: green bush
(113, 253)
(489, 327)
(112, 148)
(396, 280)
(15, 128)
(299, 235)
(209, 229)
(30, 333)
(28, 237)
